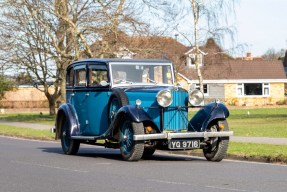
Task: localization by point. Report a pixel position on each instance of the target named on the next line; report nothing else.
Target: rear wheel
(131, 150)
(216, 148)
(69, 146)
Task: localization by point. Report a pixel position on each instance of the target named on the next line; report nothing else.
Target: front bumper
(188, 135)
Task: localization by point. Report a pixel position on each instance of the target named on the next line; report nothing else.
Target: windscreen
(159, 74)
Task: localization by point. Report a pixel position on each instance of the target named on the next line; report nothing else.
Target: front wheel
(69, 146)
(131, 150)
(216, 148)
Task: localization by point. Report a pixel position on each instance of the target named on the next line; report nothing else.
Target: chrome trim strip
(188, 135)
(84, 138)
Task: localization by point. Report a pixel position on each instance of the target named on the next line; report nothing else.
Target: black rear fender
(66, 112)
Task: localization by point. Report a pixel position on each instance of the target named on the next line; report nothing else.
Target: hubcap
(214, 140)
(126, 138)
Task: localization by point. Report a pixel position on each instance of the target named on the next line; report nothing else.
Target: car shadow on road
(114, 154)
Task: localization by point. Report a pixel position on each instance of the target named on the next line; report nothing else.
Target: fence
(24, 104)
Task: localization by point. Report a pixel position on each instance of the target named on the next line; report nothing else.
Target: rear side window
(80, 77)
(70, 75)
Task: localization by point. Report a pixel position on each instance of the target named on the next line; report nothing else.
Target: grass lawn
(26, 133)
(261, 122)
(264, 152)
(29, 118)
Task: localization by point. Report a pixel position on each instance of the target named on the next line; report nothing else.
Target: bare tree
(196, 21)
(207, 18)
(45, 36)
(272, 54)
(285, 60)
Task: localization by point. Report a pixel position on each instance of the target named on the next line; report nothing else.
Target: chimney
(248, 56)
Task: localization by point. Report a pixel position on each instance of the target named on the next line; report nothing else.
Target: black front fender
(132, 113)
(66, 112)
(206, 115)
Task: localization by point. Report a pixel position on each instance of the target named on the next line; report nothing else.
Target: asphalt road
(34, 166)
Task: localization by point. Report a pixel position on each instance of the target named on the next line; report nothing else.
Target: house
(244, 82)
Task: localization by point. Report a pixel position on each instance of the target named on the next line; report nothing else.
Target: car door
(80, 96)
(98, 96)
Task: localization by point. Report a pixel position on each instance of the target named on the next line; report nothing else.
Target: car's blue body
(90, 109)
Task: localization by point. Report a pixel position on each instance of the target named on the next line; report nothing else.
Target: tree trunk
(195, 10)
(52, 106)
(52, 98)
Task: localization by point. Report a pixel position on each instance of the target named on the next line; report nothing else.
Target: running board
(90, 138)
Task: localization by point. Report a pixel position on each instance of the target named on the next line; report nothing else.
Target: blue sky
(262, 24)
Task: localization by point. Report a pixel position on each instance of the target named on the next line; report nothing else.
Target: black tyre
(69, 146)
(117, 100)
(217, 147)
(131, 150)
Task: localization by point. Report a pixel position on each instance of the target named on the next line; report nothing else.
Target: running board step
(85, 137)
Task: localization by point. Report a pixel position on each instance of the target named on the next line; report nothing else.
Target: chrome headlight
(195, 97)
(164, 98)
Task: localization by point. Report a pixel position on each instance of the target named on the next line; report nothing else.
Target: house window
(205, 88)
(240, 90)
(266, 88)
(249, 89)
(192, 60)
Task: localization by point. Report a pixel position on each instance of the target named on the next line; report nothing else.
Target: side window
(97, 74)
(69, 80)
(80, 77)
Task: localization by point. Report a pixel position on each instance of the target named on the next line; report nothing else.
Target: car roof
(109, 60)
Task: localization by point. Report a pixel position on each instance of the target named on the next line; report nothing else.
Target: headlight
(195, 97)
(164, 98)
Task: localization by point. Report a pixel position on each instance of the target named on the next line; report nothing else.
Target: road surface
(34, 166)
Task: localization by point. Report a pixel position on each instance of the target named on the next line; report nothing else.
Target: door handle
(87, 94)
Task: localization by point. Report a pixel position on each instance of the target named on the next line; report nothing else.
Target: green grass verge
(261, 152)
(260, 122)
(28, 133)
(29, 118)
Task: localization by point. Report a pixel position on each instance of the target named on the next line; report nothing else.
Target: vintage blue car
(135, 105)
